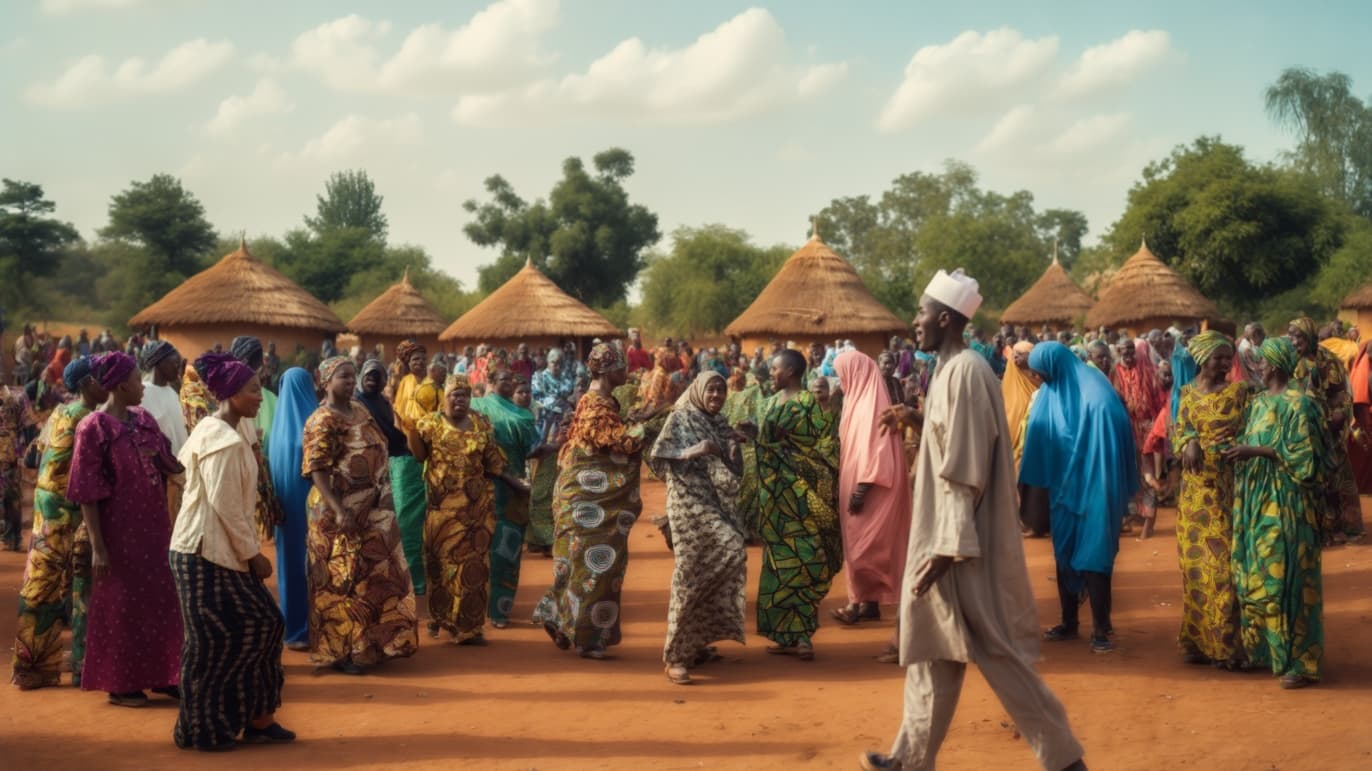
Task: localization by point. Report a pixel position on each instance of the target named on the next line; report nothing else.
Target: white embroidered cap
(957, 290)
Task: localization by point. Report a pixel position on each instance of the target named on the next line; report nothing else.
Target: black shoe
(272, 734)
(171, 691)
(1060, 633)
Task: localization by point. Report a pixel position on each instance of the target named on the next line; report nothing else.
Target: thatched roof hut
(1146, 294)
(1054, 301)
(1356, 310)
(816, 297)
(397, 314)
(529, 308)
(239, 295)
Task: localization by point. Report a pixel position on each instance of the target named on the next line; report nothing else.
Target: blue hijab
(294, 406)
(1184, 370)
(1079, 445)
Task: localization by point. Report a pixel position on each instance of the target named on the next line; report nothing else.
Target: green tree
(31, 243)
(929, 221)
(587, 236)
(1333, 129)
(166, 225)
(325, 264)
(1240, 233)
(443, 292)
(350, 201)
(709, 277)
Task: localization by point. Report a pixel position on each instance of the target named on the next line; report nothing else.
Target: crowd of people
(380, 480)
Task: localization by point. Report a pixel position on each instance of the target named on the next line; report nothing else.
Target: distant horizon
(754, 118)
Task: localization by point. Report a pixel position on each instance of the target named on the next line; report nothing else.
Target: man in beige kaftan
(965, 595)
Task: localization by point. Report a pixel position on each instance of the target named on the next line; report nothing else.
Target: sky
(754, 116)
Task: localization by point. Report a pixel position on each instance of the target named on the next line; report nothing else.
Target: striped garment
(231, 656)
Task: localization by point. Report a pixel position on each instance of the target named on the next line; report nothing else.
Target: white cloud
(90, 80)
(970, 74)
(740, 68)
(1116, 63)
(267, 98)
(500, 46)
(1091, 133)
(1010, 130)
(355, 132)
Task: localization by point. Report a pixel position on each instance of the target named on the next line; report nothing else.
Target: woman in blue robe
(293, 407)
(1079, 447)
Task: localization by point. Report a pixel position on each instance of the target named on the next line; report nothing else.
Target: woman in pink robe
(874, 491)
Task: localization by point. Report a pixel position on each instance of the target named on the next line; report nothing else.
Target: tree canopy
(924, 222)
(349, 202)
(31, 242)
(587, 236)
(1333, 130)
(709, 277)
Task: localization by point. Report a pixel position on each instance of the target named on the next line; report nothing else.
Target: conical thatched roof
(1054, 299)
(240, 289)
(816, 292)
(1145, 288)
(400, 311)
(529, 306)
(1360, 300)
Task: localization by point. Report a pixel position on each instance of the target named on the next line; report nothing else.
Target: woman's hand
(100, 561)
(1245, 451)
(895, 418)
(346, 522)
(1191, 456)
(260, 567)
(747, 429)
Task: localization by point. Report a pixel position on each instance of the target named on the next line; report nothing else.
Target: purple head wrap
(223, 374)
(112, 368)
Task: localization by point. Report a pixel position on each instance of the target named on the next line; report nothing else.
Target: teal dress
(517, 435)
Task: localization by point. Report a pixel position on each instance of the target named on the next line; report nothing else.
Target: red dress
(133, 629)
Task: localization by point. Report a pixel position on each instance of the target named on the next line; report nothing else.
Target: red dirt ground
(521, 704)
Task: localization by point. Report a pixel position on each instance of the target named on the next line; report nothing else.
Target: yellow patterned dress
(1204, 513)
(1276, 555)
(362, 607)
(58, 569)
(460, 521)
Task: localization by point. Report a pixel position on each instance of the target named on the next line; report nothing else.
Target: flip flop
(678, 675)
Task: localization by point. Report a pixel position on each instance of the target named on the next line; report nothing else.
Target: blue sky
(750, 115)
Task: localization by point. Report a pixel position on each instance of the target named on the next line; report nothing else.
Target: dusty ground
(519, 703)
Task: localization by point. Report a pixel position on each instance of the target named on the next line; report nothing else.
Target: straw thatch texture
(816, 293)
(398, 312)
(240, 289)
(528, 307)
(1145, 289)
(1361, 299)
(1054, 299)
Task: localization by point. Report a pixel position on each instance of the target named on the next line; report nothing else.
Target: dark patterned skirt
(231, 656)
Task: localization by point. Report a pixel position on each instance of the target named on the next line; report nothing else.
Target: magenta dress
(133, 632)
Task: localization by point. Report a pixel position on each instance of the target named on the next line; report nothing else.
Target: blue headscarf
(284, 450)
(1184, 370)
(1079, 445)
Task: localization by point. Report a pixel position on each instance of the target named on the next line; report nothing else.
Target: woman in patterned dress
(1276, 553)
(596, 504)
(362, 607)
(797, 459)
(1323, 377)
(119, 467)
(1211, 415)
(60, 552)
(461, 458)
(517, 436)
(699, 457)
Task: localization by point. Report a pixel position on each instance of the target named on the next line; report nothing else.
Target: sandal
(889, 656)
(477, 640)
(500, 624)
(595, 654)
(848, 615)
(1293, 682)
(781, 650)
(132, 699)
(678, 674)
(870, 611)
(559, 639)
(805, 652)
(1060, 633)
(171, 692)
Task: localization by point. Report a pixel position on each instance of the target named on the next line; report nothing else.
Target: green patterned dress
(744, 406)
(797, 463)
(1276, 560)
